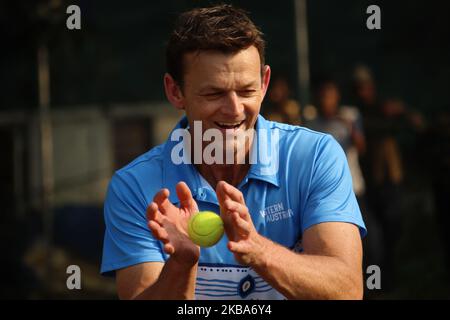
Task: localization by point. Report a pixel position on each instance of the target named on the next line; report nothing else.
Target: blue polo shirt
(300, 178)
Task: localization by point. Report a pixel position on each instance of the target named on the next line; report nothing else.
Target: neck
(230, 173)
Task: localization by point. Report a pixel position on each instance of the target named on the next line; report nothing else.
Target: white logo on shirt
(276, 212)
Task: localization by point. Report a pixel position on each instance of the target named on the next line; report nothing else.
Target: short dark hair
(221, 27)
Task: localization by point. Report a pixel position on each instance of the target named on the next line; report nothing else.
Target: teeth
(229, 124)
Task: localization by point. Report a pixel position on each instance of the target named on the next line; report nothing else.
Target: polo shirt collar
(265, 144)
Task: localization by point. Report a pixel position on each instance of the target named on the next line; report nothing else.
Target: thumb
(238, 247)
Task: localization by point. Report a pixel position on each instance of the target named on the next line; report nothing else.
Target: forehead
(216, 68)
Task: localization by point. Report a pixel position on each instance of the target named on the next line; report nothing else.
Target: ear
(265, 79)
(173, 92)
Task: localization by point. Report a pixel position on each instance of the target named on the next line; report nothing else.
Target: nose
(233, 106)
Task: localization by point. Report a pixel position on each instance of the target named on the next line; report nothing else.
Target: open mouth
(228, 125)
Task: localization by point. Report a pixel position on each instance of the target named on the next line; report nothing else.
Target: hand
(247, 245)
(169, 224)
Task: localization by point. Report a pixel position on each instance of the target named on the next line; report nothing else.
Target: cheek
(254, 106)
(200, 109)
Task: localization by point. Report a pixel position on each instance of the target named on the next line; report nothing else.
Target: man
(293, 227)
(280, 106)
(344, 123)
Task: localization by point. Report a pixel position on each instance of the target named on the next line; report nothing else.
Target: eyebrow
(215, 88)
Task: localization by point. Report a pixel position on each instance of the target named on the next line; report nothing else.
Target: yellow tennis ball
(205, 228)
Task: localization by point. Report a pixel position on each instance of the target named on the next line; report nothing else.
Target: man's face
(366, 92)
(224, 91)
(329, 100)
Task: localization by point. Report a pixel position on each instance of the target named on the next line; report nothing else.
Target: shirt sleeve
(330, 196)
(128, 240)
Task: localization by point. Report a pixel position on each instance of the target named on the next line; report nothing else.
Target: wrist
(262, 256)
(186, 259)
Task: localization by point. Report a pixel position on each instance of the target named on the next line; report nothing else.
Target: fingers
(233, 246)
(158, 232)
(235, 225)
(242, 226)
(185, 196)
(237, 247)
(236, 216)
(221, 194)
(153, 213)
(169, 249)
(162, 200)
(155, 220)
(227, 191)
(233, 206)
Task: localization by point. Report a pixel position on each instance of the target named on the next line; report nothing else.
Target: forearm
(303, 276)
(175, 282)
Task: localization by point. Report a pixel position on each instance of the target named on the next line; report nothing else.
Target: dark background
(120, 48)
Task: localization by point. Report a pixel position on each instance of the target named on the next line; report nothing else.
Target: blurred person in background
(382, 164)
(344, 123)
(382, 169)
(280, 106)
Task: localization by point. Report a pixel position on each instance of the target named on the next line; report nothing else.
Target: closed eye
(212, 94)
(247, 93)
